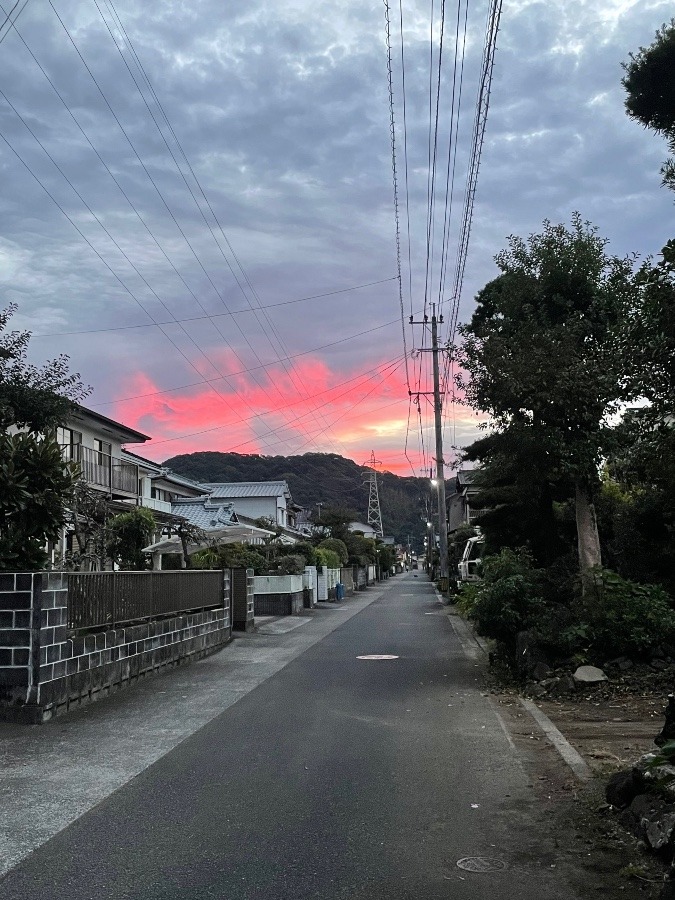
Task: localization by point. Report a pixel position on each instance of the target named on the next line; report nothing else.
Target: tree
(334, 522)
(337, 546)
(540, 354)
(87, 516)
(35, 488)
(35, 483)
(188, 534)
(38, 399)
(650, 86)
(128, 533)
(519, 484)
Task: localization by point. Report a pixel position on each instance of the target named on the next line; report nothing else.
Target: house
(94, 442)
(254, 500)
(158, 486)
(366, 530)
(218, 521)
(461, 502)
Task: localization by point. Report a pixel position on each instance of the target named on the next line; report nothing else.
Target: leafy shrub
(291, 564)
(229, 556)
(466, 598)
(128, 533)
(624, 618)
(507, 599)
(304, 548)
(327, 558)
(337, 546)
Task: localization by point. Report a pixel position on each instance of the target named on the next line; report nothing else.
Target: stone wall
(45, 671)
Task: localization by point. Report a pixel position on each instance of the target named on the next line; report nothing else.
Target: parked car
(467, 568)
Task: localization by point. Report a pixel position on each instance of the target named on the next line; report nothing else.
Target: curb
(471, 644)
(571, 756)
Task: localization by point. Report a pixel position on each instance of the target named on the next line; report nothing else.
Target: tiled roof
(236, 490)
(466, 477)
(204, 513)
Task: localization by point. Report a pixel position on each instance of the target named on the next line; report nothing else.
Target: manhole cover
(377, 656)
(481, 864)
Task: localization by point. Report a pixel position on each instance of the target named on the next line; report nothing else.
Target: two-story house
(94, 442)
(261, 500)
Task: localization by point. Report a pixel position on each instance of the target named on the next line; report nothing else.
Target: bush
(466, 598)
(327, 558)
(128, 533)
(304, 548)
(291, 564)
(507, 600)
(623, 618)
(229, 556)
(337, 546)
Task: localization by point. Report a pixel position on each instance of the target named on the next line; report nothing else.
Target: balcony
(153, 503)
(103, 471)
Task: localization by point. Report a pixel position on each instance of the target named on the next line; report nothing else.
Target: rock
(549, 683)
(620, 664)
(528, 653)
(644, 809)
(541, 671)
(589, 675)
(667, 733)
(659, 833)
(659, 665)
(535, 690)
(623, 787)
(564, 687)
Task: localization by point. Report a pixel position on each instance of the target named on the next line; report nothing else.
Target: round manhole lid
(481, 864)
(377, 656)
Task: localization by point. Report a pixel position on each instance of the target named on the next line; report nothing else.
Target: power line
(234, 312)
(392, 128)
(8, 19)
(144, 74)
(396, 365)
(246, 371)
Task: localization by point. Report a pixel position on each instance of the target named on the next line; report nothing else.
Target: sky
(197, 201)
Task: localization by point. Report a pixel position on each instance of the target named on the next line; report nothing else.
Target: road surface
(329, 776)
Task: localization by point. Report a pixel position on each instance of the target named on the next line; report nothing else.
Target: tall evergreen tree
(539, 354)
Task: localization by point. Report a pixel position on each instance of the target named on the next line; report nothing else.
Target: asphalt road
(337, 777)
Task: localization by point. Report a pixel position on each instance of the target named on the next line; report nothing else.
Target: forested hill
(319, 478)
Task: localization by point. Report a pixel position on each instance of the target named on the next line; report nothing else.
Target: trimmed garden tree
(540, 354)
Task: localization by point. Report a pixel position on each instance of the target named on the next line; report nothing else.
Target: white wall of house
(257, 507)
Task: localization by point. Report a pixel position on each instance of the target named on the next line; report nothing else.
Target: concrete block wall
(278, 595)
(21, 618)
(46, 671)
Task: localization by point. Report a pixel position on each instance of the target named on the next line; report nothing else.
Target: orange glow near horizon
(350, 415)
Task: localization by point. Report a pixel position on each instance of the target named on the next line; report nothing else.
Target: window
(69, 440)
(161, 494)
(103, 452)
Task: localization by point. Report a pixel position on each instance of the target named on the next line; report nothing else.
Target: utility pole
(440, 473)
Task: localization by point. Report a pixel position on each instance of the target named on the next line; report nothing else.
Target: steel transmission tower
(374, 512)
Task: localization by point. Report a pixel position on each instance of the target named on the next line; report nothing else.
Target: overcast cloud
(282, 111)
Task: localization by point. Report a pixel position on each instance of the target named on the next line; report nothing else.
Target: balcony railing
(102, 469)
